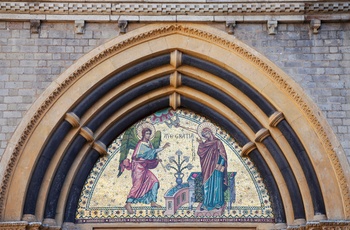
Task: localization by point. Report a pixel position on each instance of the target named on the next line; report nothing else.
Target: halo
(209, 125)
(141, 126)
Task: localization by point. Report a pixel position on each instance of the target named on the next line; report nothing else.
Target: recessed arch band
(108, 135)
(269, 180)
(41, 166)
(116, 129)
(117, 79)
(231, 78)
(228, 101)
(145, 110)
(93, 124)
(270, 111)
(304, 160)
(58, 135)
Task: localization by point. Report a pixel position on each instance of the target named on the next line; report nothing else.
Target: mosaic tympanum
(174, 166)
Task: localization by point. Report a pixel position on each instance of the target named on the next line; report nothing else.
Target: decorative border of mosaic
(87, 214)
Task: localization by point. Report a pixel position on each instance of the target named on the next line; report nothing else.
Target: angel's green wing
(156, 140)
(129, 141)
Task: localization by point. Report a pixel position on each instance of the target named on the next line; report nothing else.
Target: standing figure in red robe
(213, 162)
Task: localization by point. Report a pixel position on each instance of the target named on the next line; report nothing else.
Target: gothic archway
(174, 65)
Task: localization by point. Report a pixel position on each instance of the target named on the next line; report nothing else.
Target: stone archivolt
(232, 46)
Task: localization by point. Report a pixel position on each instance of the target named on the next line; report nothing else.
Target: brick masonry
(320, 63)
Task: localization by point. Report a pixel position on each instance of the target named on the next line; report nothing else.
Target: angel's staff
(176, 123)
(161, 163)
(159, 160)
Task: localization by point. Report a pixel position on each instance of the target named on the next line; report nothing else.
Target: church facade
(82, 82)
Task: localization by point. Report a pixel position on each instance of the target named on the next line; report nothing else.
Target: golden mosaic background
(104, 194)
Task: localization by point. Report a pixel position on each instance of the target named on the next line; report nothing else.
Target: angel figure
(145, 184)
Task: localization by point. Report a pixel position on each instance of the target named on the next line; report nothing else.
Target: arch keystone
(175, 79)
(175, 100)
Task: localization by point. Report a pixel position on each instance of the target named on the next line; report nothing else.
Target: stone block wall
(320, 63)
(30, 62)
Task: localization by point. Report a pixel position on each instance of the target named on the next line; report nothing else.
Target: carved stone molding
(29, 218)
(141, 8)
(247, 148)
(33, 226)
(175, 100)
(325, 225)
(315, 24)
(48, 223)
(73, 119)
(79, 26)
(169, 29)
(175, 58)
(281, 226)
(312, 225)
(320, 217)
(175, 79)
(262, 134)
(230, 26)
(272, 27)
(299, 222)
(276, 118)
(34, 26)
(15, 225)
(87, 134)
(123, 25)
(100, 148)
(327, 7)
(331, 225)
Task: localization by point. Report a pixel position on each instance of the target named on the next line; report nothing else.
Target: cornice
(174, 11)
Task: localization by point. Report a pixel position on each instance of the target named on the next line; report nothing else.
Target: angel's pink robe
(144, 183)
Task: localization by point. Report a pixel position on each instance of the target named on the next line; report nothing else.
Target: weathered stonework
(173, 8)
(33, 55)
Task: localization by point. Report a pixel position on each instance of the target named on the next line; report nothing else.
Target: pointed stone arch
(189, 65)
